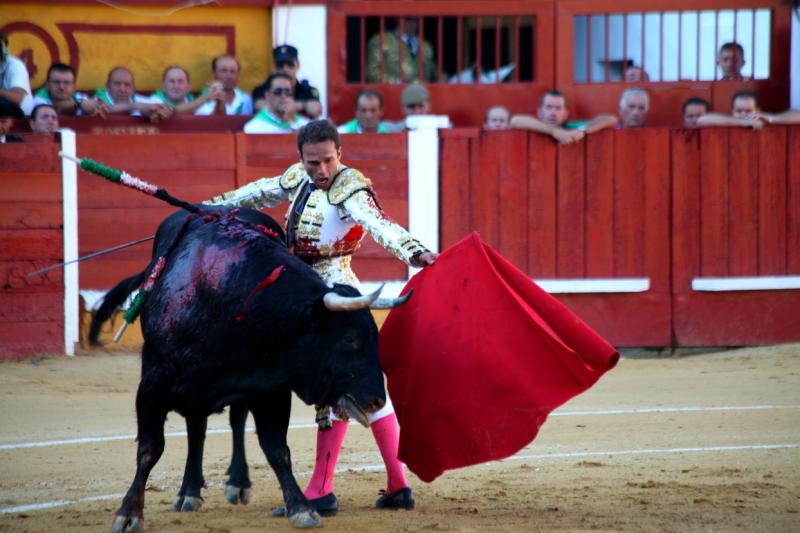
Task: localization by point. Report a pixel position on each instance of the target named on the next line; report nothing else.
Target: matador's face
(321, 160)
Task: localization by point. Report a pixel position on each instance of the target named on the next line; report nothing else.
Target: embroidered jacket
(329, 229)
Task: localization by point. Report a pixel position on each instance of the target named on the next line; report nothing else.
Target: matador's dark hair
(315, 132)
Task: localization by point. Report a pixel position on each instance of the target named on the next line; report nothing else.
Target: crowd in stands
(283, 103)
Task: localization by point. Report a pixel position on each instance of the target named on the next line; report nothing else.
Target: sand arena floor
(695, 443)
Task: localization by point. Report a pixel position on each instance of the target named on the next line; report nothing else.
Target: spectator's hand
(92, 107)
(763, 117)
(567, 136)
(754, 123)
(313, 108)
(156, 112)
(216, 91)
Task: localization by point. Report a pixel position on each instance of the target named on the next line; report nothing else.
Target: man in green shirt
(551, 119)
(369, 110)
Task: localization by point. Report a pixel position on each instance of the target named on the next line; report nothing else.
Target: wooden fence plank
(30, 215)
(743, 206)
(454, 196)
(571, 202)
(169, 151)
(600, 205)
(542, 178)
(29, 186)
(630, 163)
(793, 202)
(714, 202)
(484, 181)
(25, 244)
(685, 162)
(772, 201)
(513, 196)
(655, 211)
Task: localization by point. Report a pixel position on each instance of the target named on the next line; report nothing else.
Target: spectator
(416, 101)
(497, 118)
(745, 112)
(306, 97)
(120, 98)
(44, 119)
(636, 74)
(633, 107)
(389, 57)
(9, 111)
(279, 114)
(175, 91)
(369, 110)
(232, 101)
(730, 61)
(59, 92)
(693, 109)
(551, 119)
(15, 84)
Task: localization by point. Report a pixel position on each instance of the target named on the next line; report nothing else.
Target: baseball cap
(415, 93)
(284, 52)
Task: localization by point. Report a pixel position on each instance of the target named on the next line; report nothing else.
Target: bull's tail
(113, 299)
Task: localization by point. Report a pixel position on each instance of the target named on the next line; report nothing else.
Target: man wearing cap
(8, 112)
(416, 101)
(306, 97)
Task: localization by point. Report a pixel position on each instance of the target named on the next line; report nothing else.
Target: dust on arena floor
(708, 442)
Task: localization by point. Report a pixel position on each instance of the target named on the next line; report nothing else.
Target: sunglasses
(278, 91)
(284, 64)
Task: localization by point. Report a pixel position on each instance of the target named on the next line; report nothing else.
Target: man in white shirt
(279, 114)
(232, 101)
(15, 84)
(120, 98)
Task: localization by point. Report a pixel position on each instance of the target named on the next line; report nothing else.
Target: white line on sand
(592, 412)
(372, 468)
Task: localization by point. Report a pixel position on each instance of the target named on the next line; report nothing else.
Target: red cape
(478, 358)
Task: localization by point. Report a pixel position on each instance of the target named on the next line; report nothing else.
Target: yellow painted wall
(145, 39)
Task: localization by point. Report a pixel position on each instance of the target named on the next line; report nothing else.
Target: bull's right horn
(337, 302)
(391, 303)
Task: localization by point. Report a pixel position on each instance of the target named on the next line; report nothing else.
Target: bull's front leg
(189, 496)
(237, 488)
(150, 417)
(271, 415)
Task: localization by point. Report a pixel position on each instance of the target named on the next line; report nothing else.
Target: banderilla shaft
(95, 254)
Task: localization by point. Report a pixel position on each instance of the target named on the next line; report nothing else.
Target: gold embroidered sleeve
(362, 209)
(266, 192)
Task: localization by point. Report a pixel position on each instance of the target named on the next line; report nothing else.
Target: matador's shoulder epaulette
(293, 176)
(348, 182)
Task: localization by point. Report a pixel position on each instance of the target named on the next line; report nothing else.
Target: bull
(234, 317)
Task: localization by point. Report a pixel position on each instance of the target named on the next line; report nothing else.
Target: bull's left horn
(337, 302)
(391, 303)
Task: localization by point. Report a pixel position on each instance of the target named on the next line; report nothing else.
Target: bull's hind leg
(271, 414)
(189, 496)
(150, 416)
(237, 489)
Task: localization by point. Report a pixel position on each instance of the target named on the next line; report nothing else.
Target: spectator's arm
(93, 107)
(791, 116)
(716, 119)
(527, 122)
(310, 108)
(15, 94)
(601, 122)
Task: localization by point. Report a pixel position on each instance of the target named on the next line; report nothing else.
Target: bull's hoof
(306, 519)
(122, 523)
(236, 495)
(187, 504)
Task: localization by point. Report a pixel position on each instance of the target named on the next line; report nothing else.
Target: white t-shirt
(241, 104)
(266, 122)
(14, 74)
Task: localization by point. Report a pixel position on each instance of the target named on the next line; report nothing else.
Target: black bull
(234, 317)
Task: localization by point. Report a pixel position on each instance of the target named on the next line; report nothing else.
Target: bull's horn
(391, 303)
(337, 302)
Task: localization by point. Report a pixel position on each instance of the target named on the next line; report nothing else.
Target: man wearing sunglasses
(306, 97)
(278, 115)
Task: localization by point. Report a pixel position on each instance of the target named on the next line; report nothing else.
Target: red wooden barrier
(596, 209)
(736, 212)
(31, 308)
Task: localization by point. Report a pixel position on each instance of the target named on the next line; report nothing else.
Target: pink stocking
(387, 435)
(329, 442)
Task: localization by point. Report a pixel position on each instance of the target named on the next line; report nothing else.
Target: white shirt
(14, 74)
(266, 122)
(242, 104)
